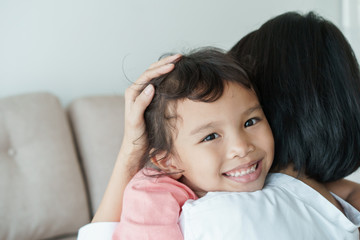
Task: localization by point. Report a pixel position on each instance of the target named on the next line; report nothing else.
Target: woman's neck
(317, 186)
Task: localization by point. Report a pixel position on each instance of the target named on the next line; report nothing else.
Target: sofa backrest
(42, 192)
(98, 126)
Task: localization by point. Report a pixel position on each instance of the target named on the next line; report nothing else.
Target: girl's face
(226, 145)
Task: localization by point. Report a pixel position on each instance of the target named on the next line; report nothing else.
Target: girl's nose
(240, 147)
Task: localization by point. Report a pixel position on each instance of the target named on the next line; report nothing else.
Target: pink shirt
(151, 207)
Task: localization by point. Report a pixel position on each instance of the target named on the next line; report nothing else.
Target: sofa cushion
(98, 124)
(42, 190)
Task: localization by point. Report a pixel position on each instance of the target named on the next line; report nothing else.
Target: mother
(308, 82)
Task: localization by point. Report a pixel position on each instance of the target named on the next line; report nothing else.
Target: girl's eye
(251, 122)
(210, 137)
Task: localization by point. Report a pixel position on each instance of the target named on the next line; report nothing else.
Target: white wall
(350, 22)
(75, 48)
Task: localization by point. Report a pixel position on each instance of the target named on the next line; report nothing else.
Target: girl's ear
(166, 163)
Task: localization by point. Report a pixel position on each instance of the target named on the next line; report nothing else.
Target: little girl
(206, 132)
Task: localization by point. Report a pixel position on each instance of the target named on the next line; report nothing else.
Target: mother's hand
(136, 101)
(134, 140)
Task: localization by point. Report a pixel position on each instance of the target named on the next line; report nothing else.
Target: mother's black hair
(308, 83)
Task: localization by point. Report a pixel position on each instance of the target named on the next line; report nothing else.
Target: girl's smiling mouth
(245, 174)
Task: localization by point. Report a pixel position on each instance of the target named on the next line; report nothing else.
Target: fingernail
(148, 90)
(177, 56)
(168, 65)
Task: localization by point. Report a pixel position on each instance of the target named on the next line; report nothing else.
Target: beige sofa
(50, 186)
(55, 162)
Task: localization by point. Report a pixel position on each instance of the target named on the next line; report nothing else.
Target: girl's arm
(347, 190)
(134, 141)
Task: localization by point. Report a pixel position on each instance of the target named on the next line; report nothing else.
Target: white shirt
(97, 231)
(285, 208)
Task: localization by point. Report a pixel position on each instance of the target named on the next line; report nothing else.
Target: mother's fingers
(157, 69)
(154, 72)
(133, 91)
(141, 103)
(166, 60)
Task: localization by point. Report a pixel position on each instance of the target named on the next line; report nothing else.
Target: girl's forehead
(186, 115)
(235, 100)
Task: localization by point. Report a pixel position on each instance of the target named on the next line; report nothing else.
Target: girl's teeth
(243, 172)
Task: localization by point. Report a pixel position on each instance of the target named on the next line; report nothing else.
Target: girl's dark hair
(200, 75)
(308, 83)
